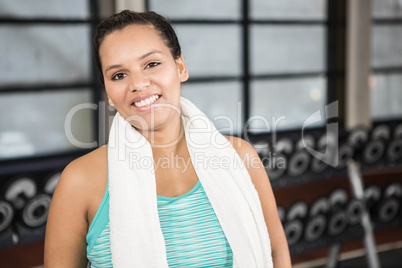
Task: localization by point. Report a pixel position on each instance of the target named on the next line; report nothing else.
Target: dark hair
(127, 17)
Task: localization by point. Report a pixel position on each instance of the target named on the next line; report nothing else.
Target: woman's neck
(167, 138)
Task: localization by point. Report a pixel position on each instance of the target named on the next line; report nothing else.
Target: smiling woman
(114, 209)
(135, 72)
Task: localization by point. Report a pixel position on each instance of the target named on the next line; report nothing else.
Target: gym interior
(315, 86)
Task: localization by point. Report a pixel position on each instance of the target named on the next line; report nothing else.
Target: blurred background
(314, 85)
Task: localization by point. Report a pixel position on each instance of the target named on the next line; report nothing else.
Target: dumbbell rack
(287, 186)
(23, 231)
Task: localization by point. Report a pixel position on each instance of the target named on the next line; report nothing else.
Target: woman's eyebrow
(112, 67)
(141, 58)
(149, 53)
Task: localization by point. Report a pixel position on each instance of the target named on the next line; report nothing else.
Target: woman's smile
(146, 103)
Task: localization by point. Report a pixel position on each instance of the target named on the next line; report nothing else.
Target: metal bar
(42, 21)
(246, 63)
(380, 70)
(333, 256)
(396, 21)
(289, 22)
(96, 91)
(356, 182)
(207, 79)
(212, 79)
(358, 63)
(204, 21)
(288, 75)
(147, 5)
(47, 87)
(241, 21)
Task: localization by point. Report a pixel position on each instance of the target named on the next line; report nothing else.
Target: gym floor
(388, 259)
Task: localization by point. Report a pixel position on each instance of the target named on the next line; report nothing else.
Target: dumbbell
(354, 211)
(31, 207)
(344, 154)
(306, 140)
(19, 190)
(6, 215)
(389, 206)
(262, 148)
(376, 146)
(394, 150)
(326, 145)
(51, 182)
(294, 222)
(317, 222)
(372, 195)
(300, 159)
(279, 158)
(398, 131)
(36, 210)
(6, 219)
(338, 220)
(357, 140)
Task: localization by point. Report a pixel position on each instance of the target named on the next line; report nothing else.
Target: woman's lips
(146, 104)
(145, 100)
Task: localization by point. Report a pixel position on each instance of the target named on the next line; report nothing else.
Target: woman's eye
(152, 64)
(118, 76)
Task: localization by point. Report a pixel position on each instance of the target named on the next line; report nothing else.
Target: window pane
(33, 123)
(44, 8)
(272, 108)
(211, 50)
(287, 49)
(387, 46)
(288, 9)
(220, 101)
(196, 9)
(387, 8)
(386, 96)
(44, 54)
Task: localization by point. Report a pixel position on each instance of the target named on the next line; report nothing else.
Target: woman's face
(142, 78)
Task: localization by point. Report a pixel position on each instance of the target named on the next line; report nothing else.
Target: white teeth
(147, 101)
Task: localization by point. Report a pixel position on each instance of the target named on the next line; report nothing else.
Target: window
(255, 58)
(46, 70)
(386, 60)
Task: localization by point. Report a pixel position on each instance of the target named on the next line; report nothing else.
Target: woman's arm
(279, 246)
(66, 229)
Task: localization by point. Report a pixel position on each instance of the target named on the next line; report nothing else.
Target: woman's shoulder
(88, 165)
(85, 174)
(249, 157)
(241, 146)
(67, 224)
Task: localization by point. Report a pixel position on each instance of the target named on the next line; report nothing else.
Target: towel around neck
(135, 234)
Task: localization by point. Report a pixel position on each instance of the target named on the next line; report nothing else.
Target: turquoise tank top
(193, 235)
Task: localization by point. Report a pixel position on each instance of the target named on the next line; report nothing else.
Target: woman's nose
(139, 81)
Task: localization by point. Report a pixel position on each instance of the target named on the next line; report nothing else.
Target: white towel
(135, 234)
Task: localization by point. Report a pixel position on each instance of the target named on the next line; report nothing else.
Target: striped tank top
(192, 233)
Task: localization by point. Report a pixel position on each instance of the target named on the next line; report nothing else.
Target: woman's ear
(182, 68)
(110, 102)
